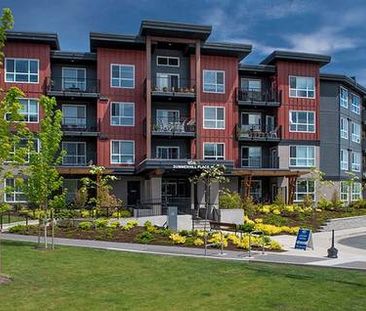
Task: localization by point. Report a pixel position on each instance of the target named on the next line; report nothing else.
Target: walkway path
(349, 257)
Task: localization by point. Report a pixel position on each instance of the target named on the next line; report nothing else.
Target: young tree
(43, 179)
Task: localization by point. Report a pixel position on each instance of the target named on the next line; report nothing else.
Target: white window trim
(76, 156)
(307, 124)
(307, 193)
(168, 74)
(340, 98)
(345, 193)
(20, 58)
(75, 68)
(168, 110)
(167, 57)
(354, 164)
(123, 87)
(122, 103)
(358, 194)
(28, 99)
(28, 153)
(250, 79)
(344, 131)
(214, 143)
(344, 164)
(307, 159)
(12, 193)
(360, 104)
(167, 147)
(307, 90)
(203, 81)
(127, 141)
(356, 137)
(214, 128)
(260, 158)
(72, 105)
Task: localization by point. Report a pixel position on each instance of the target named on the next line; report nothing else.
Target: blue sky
(333, 27)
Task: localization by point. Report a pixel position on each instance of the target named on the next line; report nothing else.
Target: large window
(343, 97)
(253, 85)
(29, 110)
(304, 188)
(302, 121)
(303, 87)
(356, 161)
(344, 159)
(213, 81)
(167, 61)
(303, 156)
(356, 191)
(21, 70)
(167, 152)
(251, 121)
(74, 116)
(123, 76)
(122, 152)
(214, 117)
(251, 156)
(213, 151)
(356, 103)
(344, 128)
(123, 114)
(75, 153)
(167, 82)
(74, 78)
(23, 150)
(344, 191)
(13, 191)
(356, 132)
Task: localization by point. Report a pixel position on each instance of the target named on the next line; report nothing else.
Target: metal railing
(258, 132)
(259, 162)
(249, 95)
(173, 84)
(168, 125)
(79, 124)
(64, 84)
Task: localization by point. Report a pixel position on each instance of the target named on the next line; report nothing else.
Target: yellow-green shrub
(198, 242)
(177, 238)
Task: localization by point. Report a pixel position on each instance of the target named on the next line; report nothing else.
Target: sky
(331, 27)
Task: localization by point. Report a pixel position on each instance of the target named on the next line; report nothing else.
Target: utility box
(172, 218)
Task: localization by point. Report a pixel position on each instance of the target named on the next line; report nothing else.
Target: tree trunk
(1, 270)
(53, 228)
(45, 224)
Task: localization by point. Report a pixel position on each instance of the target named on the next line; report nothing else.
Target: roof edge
(37, 37)
(344, 79)
(296, 56)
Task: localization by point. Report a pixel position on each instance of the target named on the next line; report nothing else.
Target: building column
(148, 97)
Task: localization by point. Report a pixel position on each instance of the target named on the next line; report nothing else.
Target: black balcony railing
(258, 162)
(173, 84)
(79, 125)
(258, 96)
(73, 85)
(258, 132)
(173, 126)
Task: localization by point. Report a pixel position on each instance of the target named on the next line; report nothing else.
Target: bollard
(332, 251)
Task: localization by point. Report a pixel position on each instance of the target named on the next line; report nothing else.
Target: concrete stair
(344, 223)
(199, 224)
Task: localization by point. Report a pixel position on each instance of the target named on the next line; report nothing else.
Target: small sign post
(304, 239)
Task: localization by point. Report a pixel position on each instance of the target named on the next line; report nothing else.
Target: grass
(88, 279)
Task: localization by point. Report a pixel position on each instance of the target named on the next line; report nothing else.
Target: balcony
(73, 126)
(257, 132)
(183, 127)
(173, 88)
(252, 98)
(60, 86)
(259, 162)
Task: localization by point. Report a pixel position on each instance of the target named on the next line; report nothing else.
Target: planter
(232, 216)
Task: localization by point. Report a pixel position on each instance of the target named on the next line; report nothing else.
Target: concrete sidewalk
(348, 257)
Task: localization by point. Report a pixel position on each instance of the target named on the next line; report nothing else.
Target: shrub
(177, 238)
(249, 205)
(18, 229)
(85, 225)
(164, 232)
(130, 224)
(144, 237)
(218, 240)
(229, 199)
(247, 227)
(307, 201)
(358, 204)
(198, 242)
(85, 213)
(324, 204)
(114, 224)
(101, 223)
(336, 202)
(58, 202)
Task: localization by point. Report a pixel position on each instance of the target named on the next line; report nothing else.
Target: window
(356, 161)
(343, 97)
(168, 121)
(71, 186)
(163, 152)
(123, 76)
(251, 121)
(356, 132)
(74, 116)
(23, 149)
(123, 114)
(356, 104)
(21, 70)
(75, 153)
(344, 128)
(356, 191)
(213, 151)
(167, 82)
(304, 188)
(256, 190)
(302, 121)
(13, 192)
(213, 81)
(168, 61)
(214, 117)
(303, 156)
(74, 78)
(29, 110)
(344, 159)
(302, 87)
(251, 157)
(254, 85)
(344, 192)
(122, 152)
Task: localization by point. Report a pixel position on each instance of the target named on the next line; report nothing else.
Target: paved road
(356, 242)
(285, 257)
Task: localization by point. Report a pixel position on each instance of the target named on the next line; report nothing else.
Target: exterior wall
(106, 57)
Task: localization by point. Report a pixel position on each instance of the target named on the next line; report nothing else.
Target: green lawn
(86, 279)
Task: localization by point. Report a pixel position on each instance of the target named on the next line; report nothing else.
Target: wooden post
(291, 188)
(246, 185)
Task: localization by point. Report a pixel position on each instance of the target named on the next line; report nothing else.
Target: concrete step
(199, 224)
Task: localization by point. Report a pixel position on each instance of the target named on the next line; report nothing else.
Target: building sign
(304, 239)
(193, 165)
